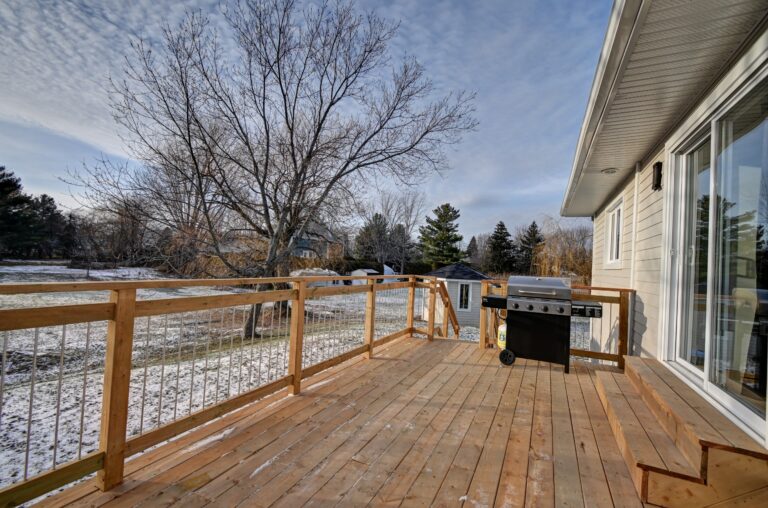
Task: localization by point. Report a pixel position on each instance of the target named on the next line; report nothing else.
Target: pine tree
(527, 242)
(372, 242)
(500, 255)
(472, 250)
(440, 237)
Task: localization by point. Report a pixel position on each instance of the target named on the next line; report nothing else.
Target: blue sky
(531, 63)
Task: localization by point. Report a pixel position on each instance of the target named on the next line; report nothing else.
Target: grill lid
(539, 287)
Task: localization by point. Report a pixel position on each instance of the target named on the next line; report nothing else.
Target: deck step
(692, 421)
(643, 441)
(680, 450)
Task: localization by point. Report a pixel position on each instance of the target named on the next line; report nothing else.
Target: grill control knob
(530, 307)
(545, 309)
(560, 310)
(515, 305)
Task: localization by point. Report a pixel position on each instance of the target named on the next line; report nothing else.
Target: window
(465, 296)
(613, 242)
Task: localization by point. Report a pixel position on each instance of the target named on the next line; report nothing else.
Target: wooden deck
(420, 424)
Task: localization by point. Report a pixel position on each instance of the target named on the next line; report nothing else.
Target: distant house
(463, 284)
(320, 242)
(362, 272)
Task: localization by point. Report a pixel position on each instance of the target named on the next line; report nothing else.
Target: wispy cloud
(531, 63)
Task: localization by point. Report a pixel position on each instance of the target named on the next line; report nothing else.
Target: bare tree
(271, 124)
(566, 251)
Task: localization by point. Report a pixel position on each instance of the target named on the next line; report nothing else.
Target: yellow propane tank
(501, 336)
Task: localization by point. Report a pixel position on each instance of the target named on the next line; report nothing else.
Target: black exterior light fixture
(656, 183)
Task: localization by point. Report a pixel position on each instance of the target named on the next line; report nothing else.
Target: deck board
(421, 424)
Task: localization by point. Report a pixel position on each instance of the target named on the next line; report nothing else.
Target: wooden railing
(614, 325)
(139, 353)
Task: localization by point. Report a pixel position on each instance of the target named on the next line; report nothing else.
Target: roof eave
(626, 17)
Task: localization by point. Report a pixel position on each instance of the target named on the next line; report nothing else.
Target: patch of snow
(210, 439)
(261, 467)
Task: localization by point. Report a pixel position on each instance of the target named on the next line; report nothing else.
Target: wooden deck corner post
(431, 311)
(411, 303)
(370, 317)
(444, 330)
(483, 317)
(117, 380)
(296, 344)
(623, 326)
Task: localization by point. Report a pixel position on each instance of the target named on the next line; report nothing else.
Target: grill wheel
(507, 357)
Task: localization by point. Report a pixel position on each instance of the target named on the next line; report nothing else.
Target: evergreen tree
(440, 237)
(527, 242)
(372, 241)
(500, 255)
(472, 250)
(15, 214)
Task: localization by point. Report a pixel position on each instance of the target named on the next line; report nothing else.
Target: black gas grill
(539, 311)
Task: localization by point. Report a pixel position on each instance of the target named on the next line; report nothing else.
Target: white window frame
(738, 83)
(469, 297)
(614, 216)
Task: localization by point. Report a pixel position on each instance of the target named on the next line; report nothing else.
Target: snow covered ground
(50, 405)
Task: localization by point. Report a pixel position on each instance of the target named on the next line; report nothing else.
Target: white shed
(463, 284)
(362, 272)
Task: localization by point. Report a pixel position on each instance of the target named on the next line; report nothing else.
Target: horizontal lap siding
(472, 316)
(647, 265)
(648, 262)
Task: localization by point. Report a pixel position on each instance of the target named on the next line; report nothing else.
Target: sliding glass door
(723, 289)
(741, 284)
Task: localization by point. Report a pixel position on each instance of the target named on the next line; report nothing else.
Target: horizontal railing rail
(621, 298)
(129, 373)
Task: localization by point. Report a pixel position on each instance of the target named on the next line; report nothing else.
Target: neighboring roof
(658, 60)
(370, 271)
(458, 271)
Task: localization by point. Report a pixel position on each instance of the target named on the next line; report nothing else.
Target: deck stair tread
(644, 442)
(691, 420)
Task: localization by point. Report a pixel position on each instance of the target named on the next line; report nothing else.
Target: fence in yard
(83, 387)
(605, 338)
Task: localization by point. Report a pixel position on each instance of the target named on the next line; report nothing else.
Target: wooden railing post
(296, 344)
(483, 317)
(411, 304)
(444, 330)
(431, 311)
(117, 380)
(370, 317)
(623, 326)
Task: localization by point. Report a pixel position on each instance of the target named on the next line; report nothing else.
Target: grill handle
(540, 293)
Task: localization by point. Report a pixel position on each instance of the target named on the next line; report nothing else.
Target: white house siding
(647, 264)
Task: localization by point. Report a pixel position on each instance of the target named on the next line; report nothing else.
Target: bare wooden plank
(20, 319)
(485, 481)
(514, 471)
(411, 303)
(357, 435)
(540, 465)
(369, 327)
(245, 438)
(620, 483)
(296, 342)
(391, 285)
(459, 476)
(567, 478)
(31, 488)
(319, 367)
(594, 484)
(267, 412)
(337, 290)
(595, 354)
(117, 378)
(194, 303)
(392, 336)
(335, 448)
(400, 480)
(580, 297)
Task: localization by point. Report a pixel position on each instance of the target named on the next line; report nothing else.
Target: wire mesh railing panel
(51, 382)
(185, 362)
(391, 312)
(420, 307)
(333, 325)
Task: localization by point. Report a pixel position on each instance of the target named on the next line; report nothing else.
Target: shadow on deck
(420, 424)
